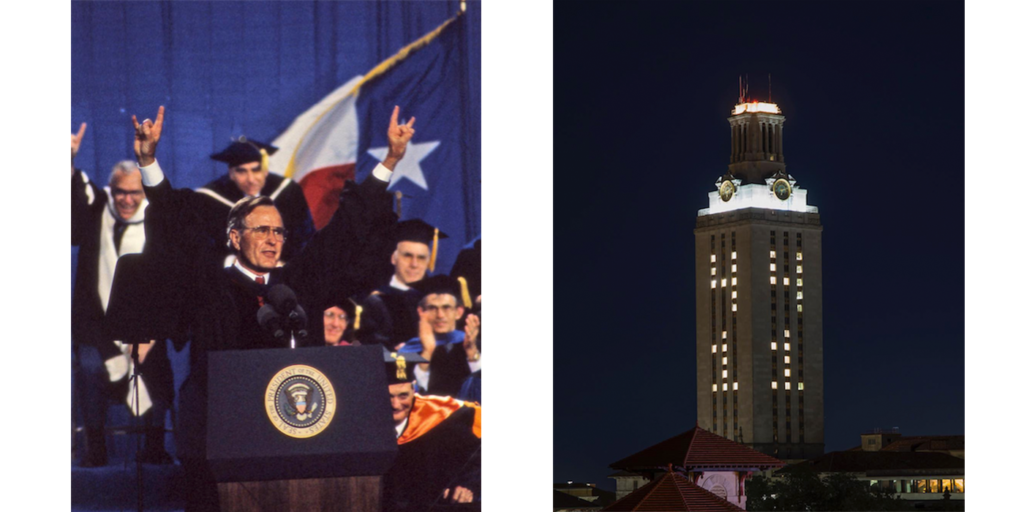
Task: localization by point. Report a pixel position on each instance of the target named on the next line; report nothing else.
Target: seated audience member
(439, 342)
(438, 461)
(415, 253)
(105, 224)
(248, 176)
(341, 320)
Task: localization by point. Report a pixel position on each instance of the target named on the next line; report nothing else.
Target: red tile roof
(672, 492)
(695, 450)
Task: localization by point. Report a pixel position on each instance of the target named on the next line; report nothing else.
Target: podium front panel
(285, 414)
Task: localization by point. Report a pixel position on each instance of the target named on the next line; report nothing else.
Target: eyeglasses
(445, 309)
(331, 315)
(262, 232)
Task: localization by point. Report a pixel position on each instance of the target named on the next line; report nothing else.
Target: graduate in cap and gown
(438, 463)
(440, 342)
(248, 176)
(415, 254)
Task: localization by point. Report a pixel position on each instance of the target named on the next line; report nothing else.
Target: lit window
(725, 348)
(771, 254)
(771, 267)
(734, 307)
(800, 386)
(799, 269)
(712, 258)
(734, 281)
(787, 333)
(714, 387)
(772, 279)
(714, 349)
(799, 295)
(734, 294)
(787, 386)
(734, 255)
(799, 308)
(786, 346)
(725, 360)
(787, 360)
(799, 282)
(734, 267)
(785, 281)
(787, 373)
(712, 283)
(735, 386)
(775, 346)
(725, 374)
(723, 335)
(775, 385)
(799, 256)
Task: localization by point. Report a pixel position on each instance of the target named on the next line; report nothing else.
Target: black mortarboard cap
(399, 366)
(416, 230)
(444, 284)
(243, 151)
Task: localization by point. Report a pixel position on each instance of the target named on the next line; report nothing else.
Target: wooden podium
(303, 429)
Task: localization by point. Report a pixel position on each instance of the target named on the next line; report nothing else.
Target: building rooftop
(563, 501)
(859, 461)
(672, 491)
(756, 106)
(697, 449)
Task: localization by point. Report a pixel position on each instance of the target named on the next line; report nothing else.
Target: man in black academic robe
(438, 463)
(222, 311)
(105, 224)
(412, 258)
(248, 176)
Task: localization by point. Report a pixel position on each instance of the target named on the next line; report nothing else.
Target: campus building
(759, 297)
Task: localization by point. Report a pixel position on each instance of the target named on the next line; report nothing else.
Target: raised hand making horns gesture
(147, 135)
(399, 136)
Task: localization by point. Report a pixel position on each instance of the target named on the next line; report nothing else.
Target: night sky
(873, 95)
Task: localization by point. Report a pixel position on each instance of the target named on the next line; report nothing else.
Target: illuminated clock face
(781, 189)
(726, 190)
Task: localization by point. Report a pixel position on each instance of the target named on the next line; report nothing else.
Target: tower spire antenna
(769, 87)
(740, 102)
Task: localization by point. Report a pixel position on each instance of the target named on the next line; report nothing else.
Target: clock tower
(759, 308)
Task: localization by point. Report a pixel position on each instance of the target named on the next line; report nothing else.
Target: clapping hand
(472, 335)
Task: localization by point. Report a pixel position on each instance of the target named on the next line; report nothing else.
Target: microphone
(271, 321)
(283, 298)
(298, 321)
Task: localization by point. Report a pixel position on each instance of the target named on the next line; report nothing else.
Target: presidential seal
(300, 401)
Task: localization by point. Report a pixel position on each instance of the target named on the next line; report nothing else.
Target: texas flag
(344, 136)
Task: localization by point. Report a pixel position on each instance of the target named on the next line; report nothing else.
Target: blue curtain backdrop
(225, 69)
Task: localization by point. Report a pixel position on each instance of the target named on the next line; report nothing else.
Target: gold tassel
(359, 314)
(265, 160)
(398, 204)
(433, 251)
(400, 362)
(465, 293)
